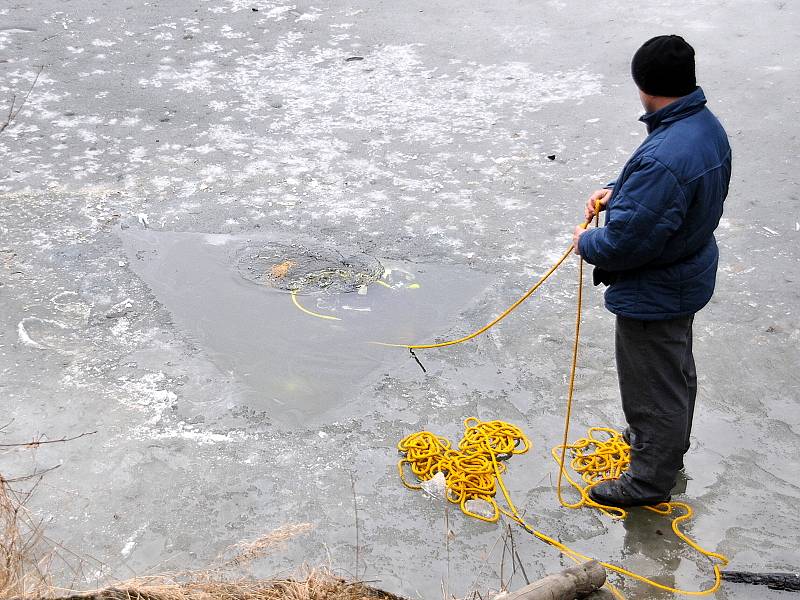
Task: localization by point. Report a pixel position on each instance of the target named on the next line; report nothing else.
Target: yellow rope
(470, 471)
(495, 321)
(296, 302)
(473, 472)
(595, 460)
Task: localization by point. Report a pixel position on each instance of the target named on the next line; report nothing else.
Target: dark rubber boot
(615, 493)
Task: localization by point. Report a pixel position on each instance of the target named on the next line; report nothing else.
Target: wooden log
(576, 582)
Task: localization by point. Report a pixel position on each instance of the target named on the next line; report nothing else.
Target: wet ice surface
(298, 367)
(212, 119)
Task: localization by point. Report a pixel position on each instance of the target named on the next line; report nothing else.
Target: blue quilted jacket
(657, 249)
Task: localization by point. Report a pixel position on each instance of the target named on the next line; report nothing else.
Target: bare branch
(41, 441)
(355, 510)
(11, 113)
(27, 477)
(35, 80)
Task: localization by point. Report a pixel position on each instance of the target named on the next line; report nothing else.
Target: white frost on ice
(25, 337)
(151, 396)
(121, 327)
(130, 543)
(191, 433)
(148, 395)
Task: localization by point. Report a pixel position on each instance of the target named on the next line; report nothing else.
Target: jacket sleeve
(645, 212)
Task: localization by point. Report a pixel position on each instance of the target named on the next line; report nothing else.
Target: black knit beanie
(664, 66)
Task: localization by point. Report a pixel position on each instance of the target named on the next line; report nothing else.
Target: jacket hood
(681, 108)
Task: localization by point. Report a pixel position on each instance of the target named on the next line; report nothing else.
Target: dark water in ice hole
(295, 366)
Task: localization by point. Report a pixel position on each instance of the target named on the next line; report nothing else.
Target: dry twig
(14, 114)
(42, 440)
(33, 475)
(355, 510)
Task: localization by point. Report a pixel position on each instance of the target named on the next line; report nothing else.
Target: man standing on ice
(658, 256)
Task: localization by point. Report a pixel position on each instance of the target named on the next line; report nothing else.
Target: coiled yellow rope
(474, 471)
(594, 460)
(471, 472)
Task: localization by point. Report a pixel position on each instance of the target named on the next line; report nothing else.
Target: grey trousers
(658, 385)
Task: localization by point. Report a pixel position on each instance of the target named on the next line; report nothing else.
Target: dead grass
(317, 584)
(23, 566)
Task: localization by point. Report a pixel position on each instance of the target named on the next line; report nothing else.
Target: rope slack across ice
(474, 471)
